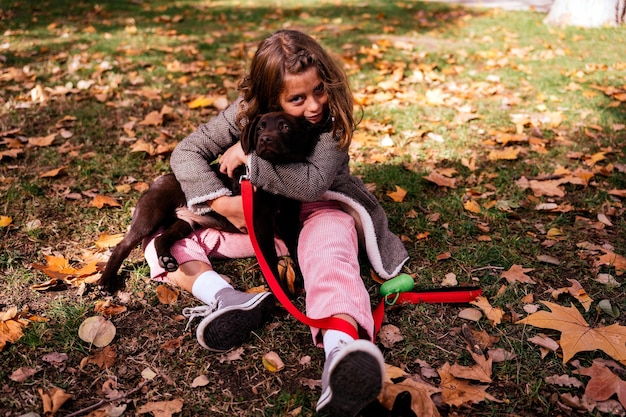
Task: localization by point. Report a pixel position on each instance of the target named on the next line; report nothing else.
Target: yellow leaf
(398, 195)
(100, 201)
(106, 240)
(5, 221)
(507, 153)
(202, 101)
(472, 206)
(11, 326)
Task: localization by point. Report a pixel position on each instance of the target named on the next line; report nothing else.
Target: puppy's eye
(285, 127)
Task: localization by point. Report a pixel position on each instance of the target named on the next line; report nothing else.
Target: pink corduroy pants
(327, 253)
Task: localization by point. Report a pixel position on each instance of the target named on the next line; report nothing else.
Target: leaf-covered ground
(495, 144)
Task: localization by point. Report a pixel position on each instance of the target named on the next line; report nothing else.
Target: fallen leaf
(200, 381)
(97, 330)
(398, 195)
(103, 359)
(272, 362)
(162, 408)
(100, 201)
(577, 291)
(518, 274)
(11, 326)
(603, 383)
(389, 335)
(577, 335)
(458, 392)
(23, 373)
(167, 294)
(493, 314)
(472, 206)
(440, 180)
(53, 399)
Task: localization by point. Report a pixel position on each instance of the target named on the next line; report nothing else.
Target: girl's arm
(192, 157)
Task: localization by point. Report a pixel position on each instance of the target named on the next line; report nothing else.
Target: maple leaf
(577, 335)
(577, 291)
(494, 314)
(612, 259)
(52, 399)
(440, 180)
(457, 392)
(11, 326)
(517, 273)
(398, 195)
(100, 201)
(603, 383)
(420, 391)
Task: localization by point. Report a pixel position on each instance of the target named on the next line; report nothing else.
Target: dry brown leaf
(11, 326)
(23, 373)
(167, 294)
(421, 402)
(53, 399)
(577, 291)
(458, 392)
(613, 260)
(481, 371)
(577, 335)
(506, 154)
(389, 335)
(518, 274)
(547, 188)
(107, 308)
(440, 180)
(162, 408)
(103, 359)
(97, 330)
(493, 314)
(53, 172)
(603, 383)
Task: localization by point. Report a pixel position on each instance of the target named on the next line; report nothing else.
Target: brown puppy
(276, 137)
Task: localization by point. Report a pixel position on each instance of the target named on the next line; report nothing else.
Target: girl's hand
(231, 207)
(232, 158)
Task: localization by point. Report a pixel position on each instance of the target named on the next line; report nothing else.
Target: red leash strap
(325, 323)
(441, 295)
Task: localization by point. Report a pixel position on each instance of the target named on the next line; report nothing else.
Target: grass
(496, 65)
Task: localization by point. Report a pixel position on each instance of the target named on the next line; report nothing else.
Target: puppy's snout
(265, 140)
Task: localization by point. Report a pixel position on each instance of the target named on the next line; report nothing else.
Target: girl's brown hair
(290, 51)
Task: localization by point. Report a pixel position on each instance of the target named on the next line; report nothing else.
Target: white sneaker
(229, 321)
(352, 378)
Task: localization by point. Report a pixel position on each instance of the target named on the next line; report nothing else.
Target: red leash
(442, 295)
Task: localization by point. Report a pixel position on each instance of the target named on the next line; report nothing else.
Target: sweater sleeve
(191, 159)
(305, 181)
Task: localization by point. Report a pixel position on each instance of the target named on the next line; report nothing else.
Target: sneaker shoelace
(201, 311)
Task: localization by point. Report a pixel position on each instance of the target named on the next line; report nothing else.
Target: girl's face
(304, 95)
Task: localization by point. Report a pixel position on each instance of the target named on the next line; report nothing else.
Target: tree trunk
(587, 13)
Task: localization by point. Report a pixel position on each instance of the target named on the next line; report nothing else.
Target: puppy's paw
(168, 262)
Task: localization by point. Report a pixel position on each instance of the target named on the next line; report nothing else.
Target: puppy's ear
(248, 135)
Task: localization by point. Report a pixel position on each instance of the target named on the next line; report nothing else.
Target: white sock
(332, 339)
(207, 285)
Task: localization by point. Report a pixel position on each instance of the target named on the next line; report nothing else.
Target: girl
(290, 72)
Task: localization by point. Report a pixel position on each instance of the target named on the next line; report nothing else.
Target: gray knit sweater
(324, 176)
